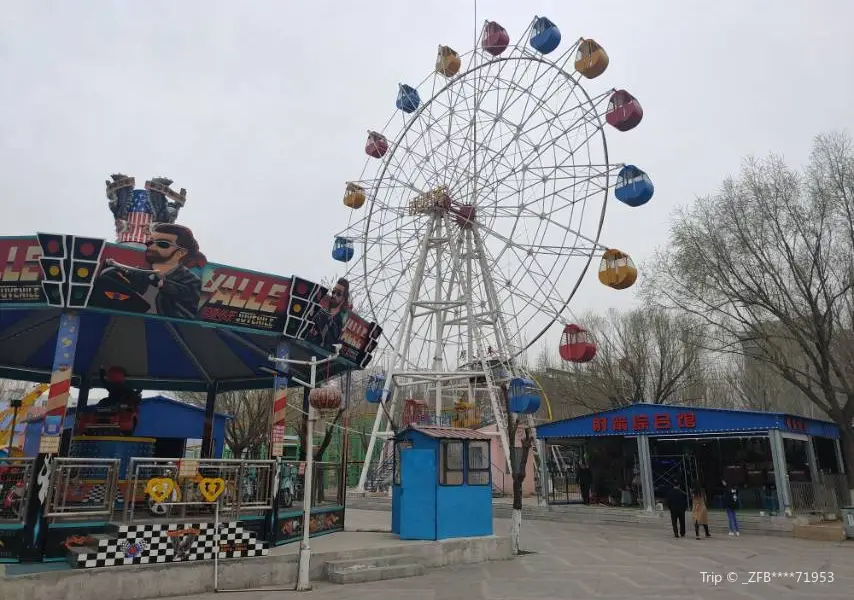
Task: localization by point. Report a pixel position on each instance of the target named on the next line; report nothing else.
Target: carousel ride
(148, 312)
(475, 219)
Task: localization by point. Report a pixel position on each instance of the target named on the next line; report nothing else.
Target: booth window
(398, 446)
(451, 468)
(479, 466)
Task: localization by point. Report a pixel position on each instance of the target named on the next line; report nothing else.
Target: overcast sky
(260, 109)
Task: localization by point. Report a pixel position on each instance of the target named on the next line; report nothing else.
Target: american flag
(138, 221)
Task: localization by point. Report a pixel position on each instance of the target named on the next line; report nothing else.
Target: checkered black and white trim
(175, 542)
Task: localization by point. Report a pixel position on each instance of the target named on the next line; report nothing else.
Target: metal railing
(82, 487)
(826, 495)
(15, 479)
(190, 487)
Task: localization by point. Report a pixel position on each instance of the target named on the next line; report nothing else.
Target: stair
(378, 568)
(75, 554)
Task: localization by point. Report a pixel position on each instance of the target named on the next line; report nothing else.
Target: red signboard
(642, 423)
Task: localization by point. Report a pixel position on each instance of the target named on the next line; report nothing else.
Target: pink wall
(500, 478)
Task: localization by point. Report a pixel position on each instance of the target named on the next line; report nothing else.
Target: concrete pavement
(593, 561)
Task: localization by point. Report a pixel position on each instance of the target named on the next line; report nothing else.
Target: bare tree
(250, 412)
(768, 262)
(644, 355)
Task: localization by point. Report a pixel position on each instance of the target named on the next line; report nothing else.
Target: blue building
(170, 422)
(442, 483)
(638, 452)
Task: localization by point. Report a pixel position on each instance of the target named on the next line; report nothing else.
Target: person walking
(731, 504)
(699, 512)
(677, 502)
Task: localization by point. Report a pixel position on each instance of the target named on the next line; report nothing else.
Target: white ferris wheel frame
(468, 254)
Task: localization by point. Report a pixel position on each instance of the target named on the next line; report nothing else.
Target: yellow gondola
(447, 62)
(617, 270)
(354, 196)
(591, 60)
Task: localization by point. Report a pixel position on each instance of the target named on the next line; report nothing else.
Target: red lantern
(325, 398)
(576, 345)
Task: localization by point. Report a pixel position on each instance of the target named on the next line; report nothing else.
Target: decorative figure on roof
(137, 211)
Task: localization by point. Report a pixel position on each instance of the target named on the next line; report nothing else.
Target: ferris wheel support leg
(491, 294)
(439, 314)
(505, 332)
(399, 359)
(475, 338)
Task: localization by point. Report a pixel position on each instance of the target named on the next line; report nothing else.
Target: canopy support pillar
(545, 477)
(207, 433)
(50, 438)
(813, 462)
(840, 464)
(280, 402)
(781, 472)
(645, 460)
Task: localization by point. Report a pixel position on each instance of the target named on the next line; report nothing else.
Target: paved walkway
(590, 562)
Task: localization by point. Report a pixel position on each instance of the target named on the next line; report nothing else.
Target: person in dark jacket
(584, 477)
(677, 502)
(731, 503)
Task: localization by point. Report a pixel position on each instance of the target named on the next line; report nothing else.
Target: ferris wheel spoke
(537, 147)
(535, 299)
(509, 102)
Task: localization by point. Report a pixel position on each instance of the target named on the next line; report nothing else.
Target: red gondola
(624, 111)
(377, 145)
(576, 345)
(495, 38)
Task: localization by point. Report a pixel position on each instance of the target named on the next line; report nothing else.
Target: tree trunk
(518, 480)
(847, 443)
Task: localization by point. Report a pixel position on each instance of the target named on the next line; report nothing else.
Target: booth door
(417, 494)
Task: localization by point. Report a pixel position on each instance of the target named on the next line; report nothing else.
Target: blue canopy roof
(158, 354)
(686, 421)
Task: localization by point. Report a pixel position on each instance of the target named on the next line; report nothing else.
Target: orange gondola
(447, 62)
(354, 196)
(591, 60)
(617, 270)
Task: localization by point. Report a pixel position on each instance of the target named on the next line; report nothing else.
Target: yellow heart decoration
(159, 488)
(211, 488)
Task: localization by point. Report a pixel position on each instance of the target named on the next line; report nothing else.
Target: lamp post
(14, 404)
(303, 574)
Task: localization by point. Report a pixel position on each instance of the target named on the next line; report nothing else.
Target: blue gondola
(524, 396)
(545, 36)
(407, 98)
(634, 186)
(374, 391)
(342, 249)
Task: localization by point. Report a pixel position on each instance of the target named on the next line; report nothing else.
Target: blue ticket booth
(442, 483)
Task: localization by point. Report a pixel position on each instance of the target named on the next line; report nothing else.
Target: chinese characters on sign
(795, 424)
(658, 422)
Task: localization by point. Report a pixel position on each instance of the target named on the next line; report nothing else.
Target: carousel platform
(360, 540)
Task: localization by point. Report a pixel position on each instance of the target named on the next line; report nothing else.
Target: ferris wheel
(476, 217)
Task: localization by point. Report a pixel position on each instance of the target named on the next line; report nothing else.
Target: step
(369, 573)
(346, 566)
(821, 532)
(75, 551)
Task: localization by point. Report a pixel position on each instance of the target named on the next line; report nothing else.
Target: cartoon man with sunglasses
(329, 321)
(169, 287)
